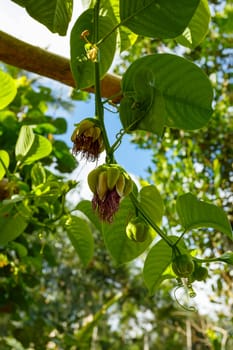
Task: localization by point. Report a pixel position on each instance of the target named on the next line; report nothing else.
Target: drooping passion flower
(87, 139)
(109, 184)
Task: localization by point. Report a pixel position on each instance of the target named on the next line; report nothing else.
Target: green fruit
(200, 273)
(137, 230)
(183, 265)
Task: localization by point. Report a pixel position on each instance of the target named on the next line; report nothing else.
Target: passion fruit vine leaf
(157, 19)
(184, 103)
(196, 214)
(54, 14)
(149, 198)
(80, 235)
(197, 28)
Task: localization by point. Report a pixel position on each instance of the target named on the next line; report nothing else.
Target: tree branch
(34, 59)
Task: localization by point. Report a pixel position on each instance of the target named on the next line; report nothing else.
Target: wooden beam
(34, 59)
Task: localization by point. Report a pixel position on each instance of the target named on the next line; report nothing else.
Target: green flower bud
(183, 265)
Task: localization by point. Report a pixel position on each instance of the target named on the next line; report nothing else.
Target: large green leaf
(81, 238)
(7, 89)
(152, 203)
(54, 14)
(174, 92)
(82, 68)
(157, 18)
(121, 248)
(4, 162)
(196, 214)
(41, 148)
(197, 28)
(30, 147)
(24, 143)
(157, 262)
(13, 221)
(85, 207)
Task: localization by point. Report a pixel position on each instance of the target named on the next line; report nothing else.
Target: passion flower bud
(109, 183)
(137, 230)
(183, 265)
(87, 139)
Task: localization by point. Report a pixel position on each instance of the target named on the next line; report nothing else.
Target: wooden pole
(34, 59)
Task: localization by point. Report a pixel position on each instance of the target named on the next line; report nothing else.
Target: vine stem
(99, 110)
(150, 222)
(122, 23)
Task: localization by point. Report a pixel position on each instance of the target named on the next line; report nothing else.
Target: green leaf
(157, 262)
(85, 207)
(183, 103)
(152, 203)
(49, 191)
(121, 248)
(82, 68)
(196, 214)
(4, 162)
(24, 142)
(81, 238)
(197, 29)
(226, 257)
(54, 14)
(7, 89)
(13, 221)
(157, 18)
(40, 148)
(38, 175)
(19, 248)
